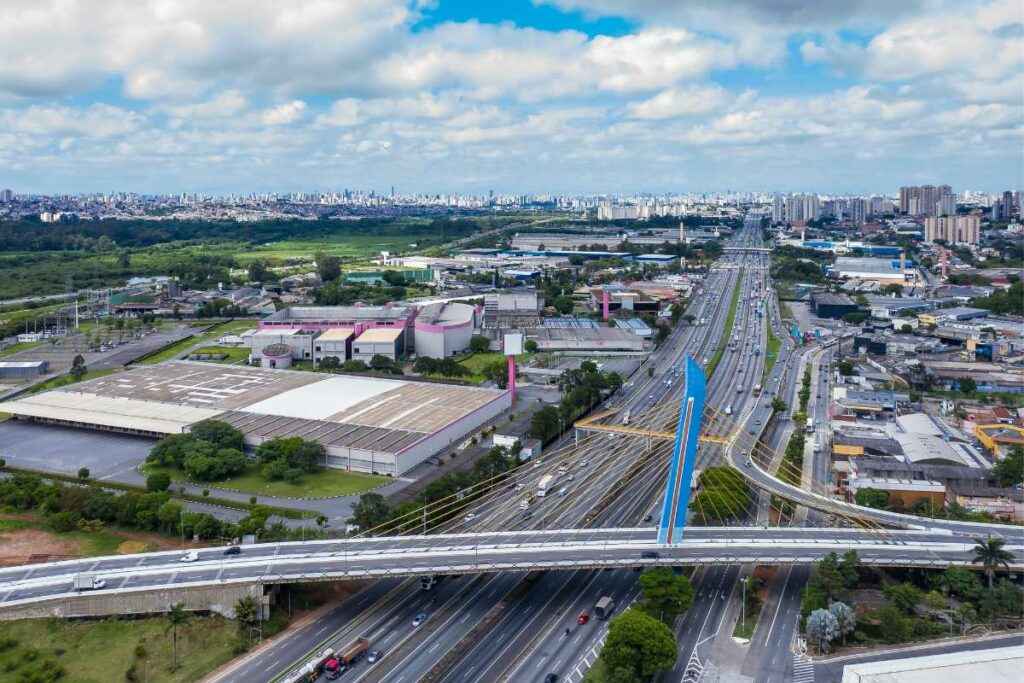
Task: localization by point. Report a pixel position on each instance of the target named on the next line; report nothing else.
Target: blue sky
(562, 96)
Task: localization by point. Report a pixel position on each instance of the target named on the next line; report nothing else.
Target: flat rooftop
(336, 334)
(364, 412)
(334, 313)
(995, 665)
(380, 335)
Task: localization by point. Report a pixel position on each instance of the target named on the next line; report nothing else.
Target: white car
(190, 556)
(470, 517)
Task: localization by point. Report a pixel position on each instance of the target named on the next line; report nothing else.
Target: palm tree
(176, 616)
(990, 553)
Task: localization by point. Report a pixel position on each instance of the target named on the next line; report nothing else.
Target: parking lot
(65, 449)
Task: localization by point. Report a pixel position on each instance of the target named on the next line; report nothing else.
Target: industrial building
(334, 343)
(299, 342)
(366, 424)
(18, 370)
(603, 339)
(996, 665)
(881, 270)
(444, 329)
(828, 305)
(380, 341)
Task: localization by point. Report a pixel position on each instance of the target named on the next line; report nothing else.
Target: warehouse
(366, 424)
(444, 329)
(881, 270)
(334, 343)
(17, 370)
(606, 339)
(828, 305)
(380, 341)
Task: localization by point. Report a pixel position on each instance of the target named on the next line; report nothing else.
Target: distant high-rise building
(953, 229)
(946, 205)
(925, 200)
(858, 210)
(778, 209)
(6, 196)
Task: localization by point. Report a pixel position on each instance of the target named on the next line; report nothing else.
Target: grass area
(66, 380)
(727, 332)
(745, 629)
(98, 651)
(323, 484)
(771, 354)
(597, 673)
(345, 246)
(20, 346)
(178, 349)
(235, 354)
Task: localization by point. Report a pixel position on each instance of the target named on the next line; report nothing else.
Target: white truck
(545, 483)
(88, 582)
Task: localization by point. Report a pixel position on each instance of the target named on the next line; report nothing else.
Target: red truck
(345, 657)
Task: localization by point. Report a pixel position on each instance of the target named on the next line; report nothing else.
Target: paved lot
(64, 449)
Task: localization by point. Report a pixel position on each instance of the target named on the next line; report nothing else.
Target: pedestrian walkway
(803, 669)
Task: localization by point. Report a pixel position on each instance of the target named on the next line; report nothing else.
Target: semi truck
(604, 607)
(88, 582)
(545, 483)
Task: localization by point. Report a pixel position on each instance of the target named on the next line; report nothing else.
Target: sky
(518, 96)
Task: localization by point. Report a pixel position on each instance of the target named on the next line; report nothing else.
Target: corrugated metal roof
(106, 411)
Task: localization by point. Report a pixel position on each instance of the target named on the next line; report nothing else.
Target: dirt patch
(153, 541)
(132, 547)
(24, 545)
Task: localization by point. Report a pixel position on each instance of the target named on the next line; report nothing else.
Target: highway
(609, 481)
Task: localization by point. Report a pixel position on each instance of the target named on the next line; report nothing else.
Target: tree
(479, 344)
(906, 329)
(218, 433)
(961, 583)
(371, 511)
(822, 628)
(893, 625)
(83, 473)
(849, 567)
(1010, 470)
(827, 576)
(258, 271)
(845, 367)
(530, 346)
(905, 596)
(78, 368)
(989, 552)
(638, 645)
(872, 498)
(545, 423)
(328, 267)
(176, 616)
(846, 618)
(778, 405)
(666, 594)
(967, 385)
(158, 481)
(247, 614)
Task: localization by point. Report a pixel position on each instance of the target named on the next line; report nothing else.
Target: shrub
(158, 481)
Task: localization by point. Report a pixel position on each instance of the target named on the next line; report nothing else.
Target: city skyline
(548, 96)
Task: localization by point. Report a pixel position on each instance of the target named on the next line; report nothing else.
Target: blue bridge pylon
(684, 455)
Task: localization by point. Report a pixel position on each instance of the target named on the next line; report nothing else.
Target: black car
(649, 555)
(233, 550)
(551, 678)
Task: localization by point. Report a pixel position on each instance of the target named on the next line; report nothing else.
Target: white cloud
(289, 112)
(680, 102)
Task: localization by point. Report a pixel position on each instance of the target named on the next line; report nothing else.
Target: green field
(727, 332)
(347, 247)
(235, 354)
(771, 354)
(100, 651)
(178, 349)
(323, 484)
(67, 380)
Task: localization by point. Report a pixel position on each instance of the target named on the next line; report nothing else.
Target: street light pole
(743, 604)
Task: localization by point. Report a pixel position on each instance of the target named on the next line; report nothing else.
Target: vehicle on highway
(551, 678)
(544, 484)
(524, 504)
(351, 653)
(233, 550)
(564, 491)
(419, 619)
(374, 656)
(648, 518)
(728, 409)
(88, 582)
(583, 618)
(470, 517)
(604, 607)
(190, 556)
(649, 555)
